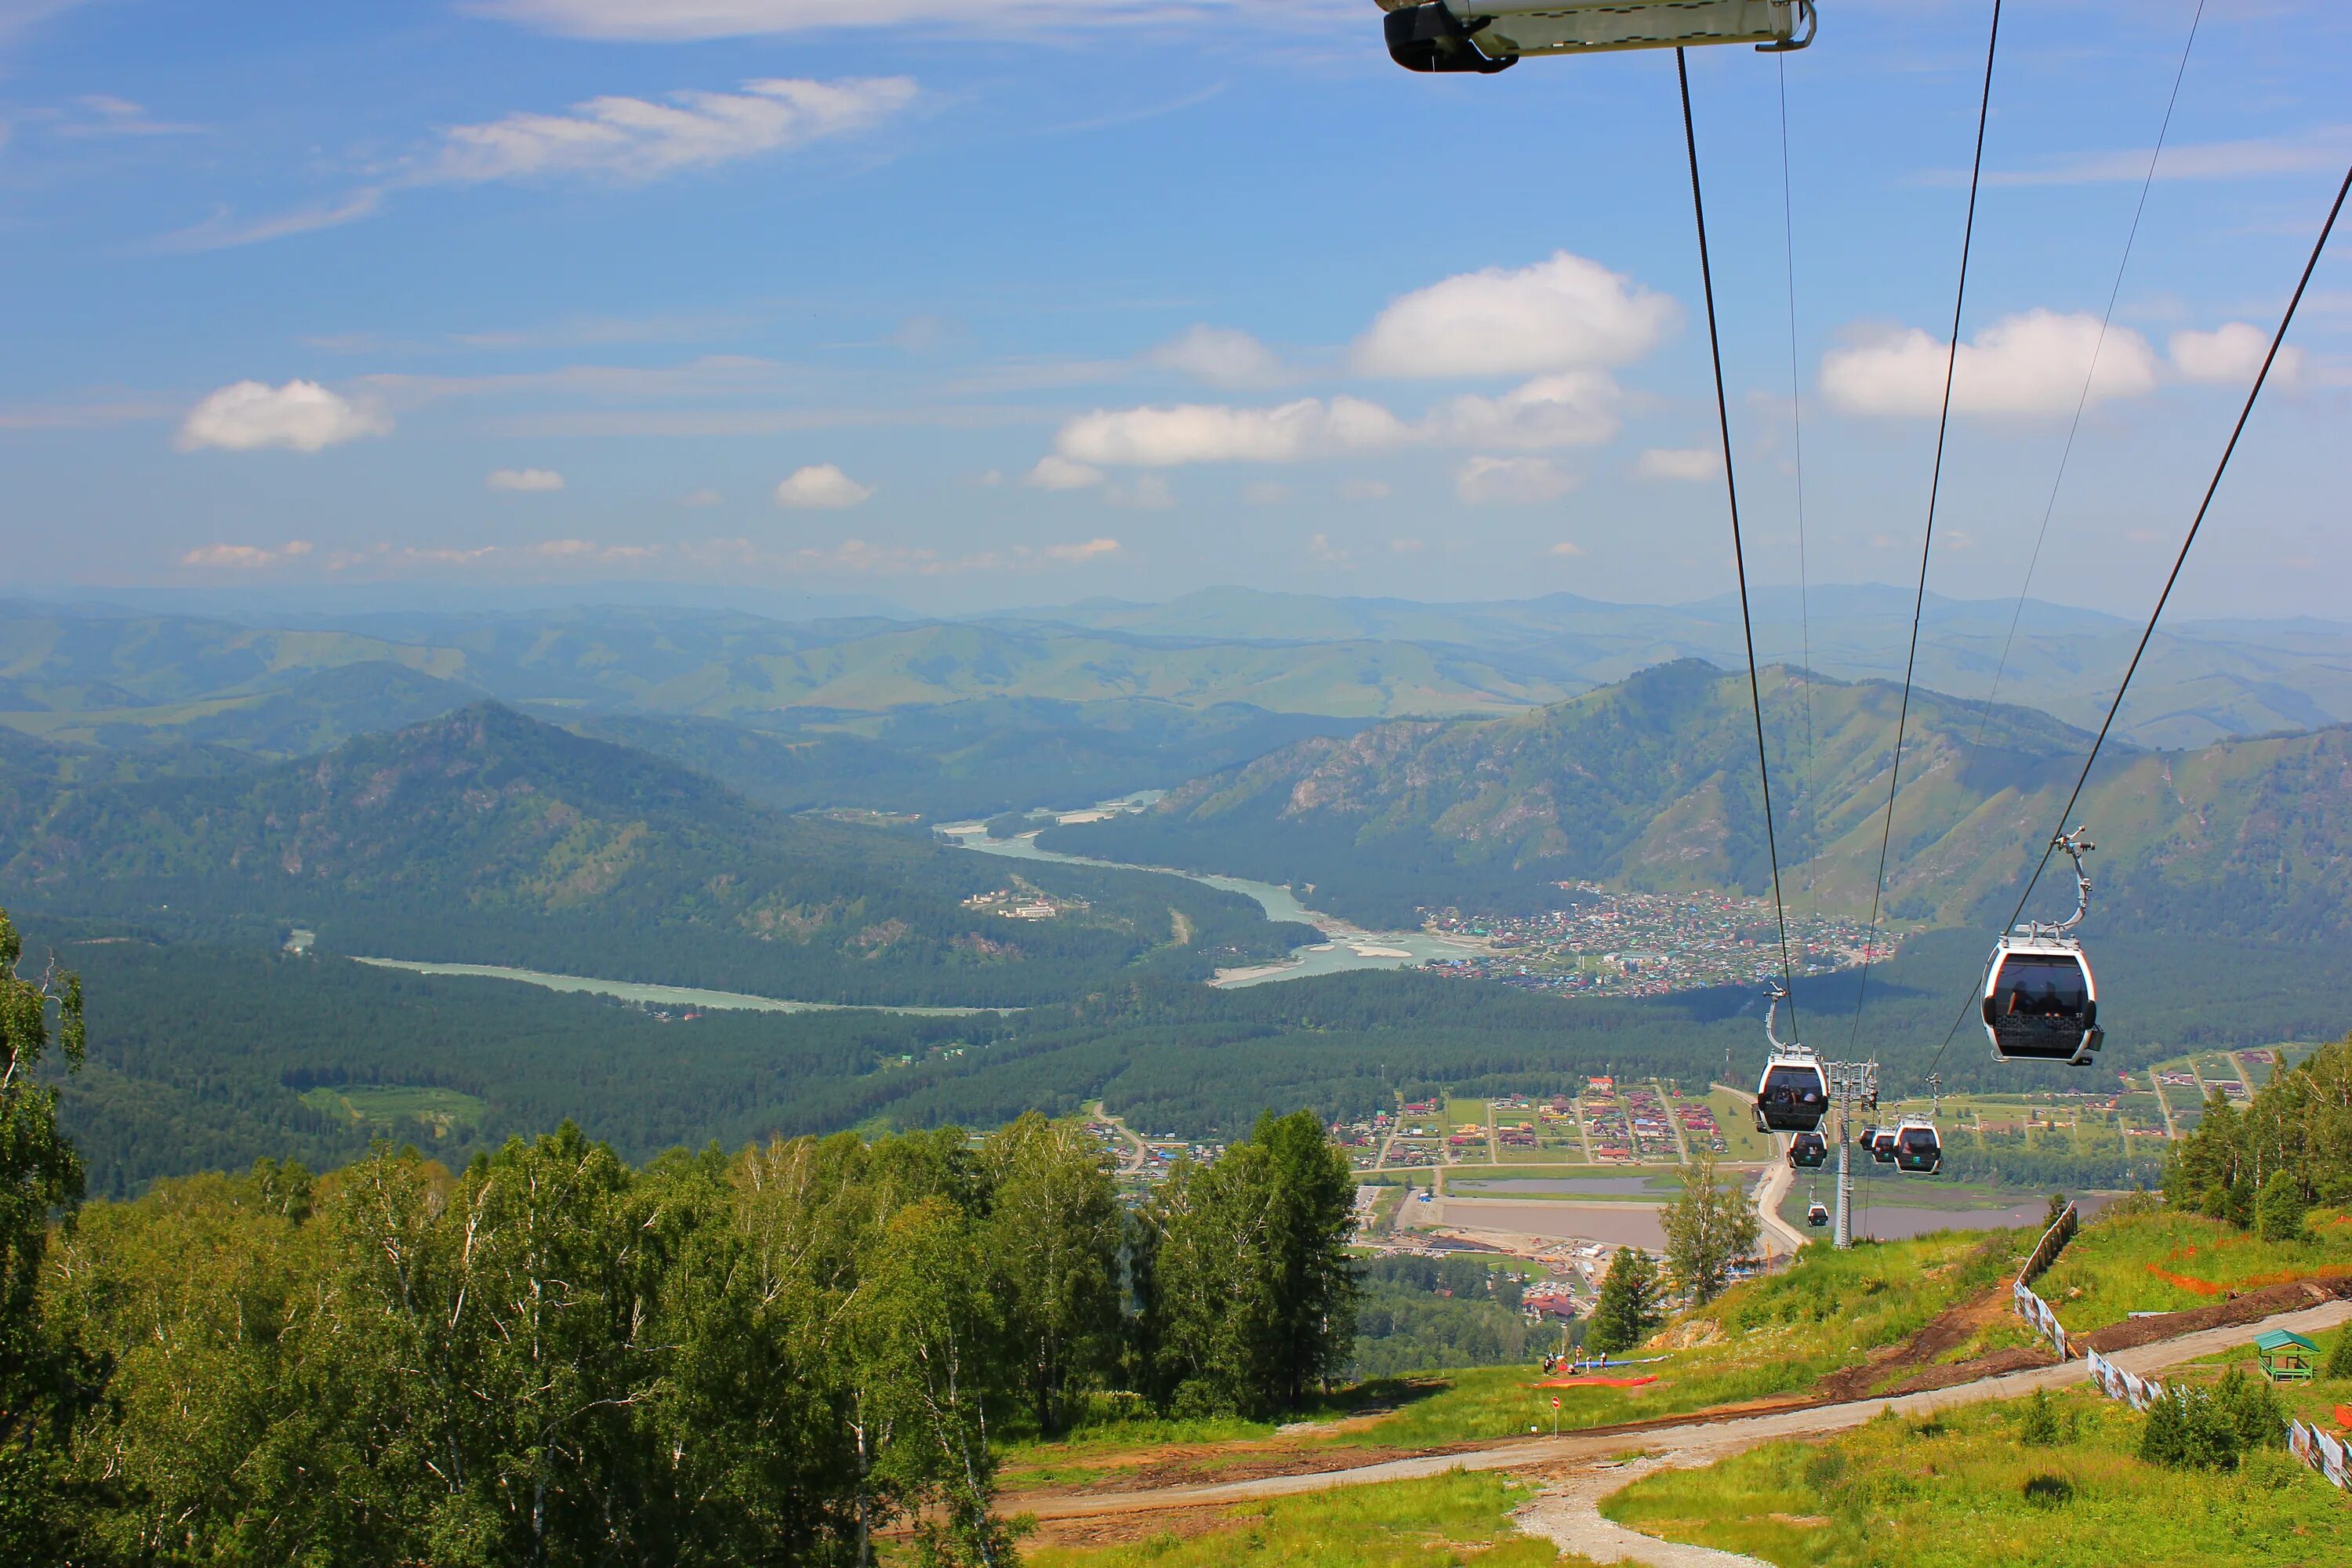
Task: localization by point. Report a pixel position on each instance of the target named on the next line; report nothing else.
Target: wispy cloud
(618, 139)
(225, 230)
(102, 114)
(2258, 158)
(684, 21)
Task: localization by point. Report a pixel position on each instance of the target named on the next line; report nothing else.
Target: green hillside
(488, 837)
(1652, 784)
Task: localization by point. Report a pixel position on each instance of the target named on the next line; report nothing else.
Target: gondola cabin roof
(1501, 31)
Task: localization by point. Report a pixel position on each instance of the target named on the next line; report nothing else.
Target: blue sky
(1018, 303)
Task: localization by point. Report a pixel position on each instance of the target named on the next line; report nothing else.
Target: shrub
(2037, 1426)
(2339, 1359)
(2187, 1431)
(2252, 1410)
(2048, 1491)
(2278, 1213)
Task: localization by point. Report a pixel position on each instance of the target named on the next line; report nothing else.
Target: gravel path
(1699, 1440)
(1568, 1514)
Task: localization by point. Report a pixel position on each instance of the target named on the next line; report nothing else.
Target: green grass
(1778, 1336)
(2314, 1402)
(440, 1110)
(2120, 1265)
(1952, 1493)
(1449, 1519)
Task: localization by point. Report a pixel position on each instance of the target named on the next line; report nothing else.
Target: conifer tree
(1628, 1309)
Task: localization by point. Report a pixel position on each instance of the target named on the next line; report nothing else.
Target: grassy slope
(1454, 1518)
(1778, 1336)
(1950, 1493)
(2117, 1268)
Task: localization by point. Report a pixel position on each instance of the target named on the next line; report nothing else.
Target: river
(1344, 947)
(661, 995)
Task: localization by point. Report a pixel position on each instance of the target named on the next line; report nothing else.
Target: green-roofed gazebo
(2285, 1357)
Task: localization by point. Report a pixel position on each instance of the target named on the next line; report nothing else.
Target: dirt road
(1699, 1439)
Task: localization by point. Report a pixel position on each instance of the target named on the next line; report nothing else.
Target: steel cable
(1927, 540)
(1739, 548)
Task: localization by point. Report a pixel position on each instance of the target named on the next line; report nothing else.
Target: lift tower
(1853, 1086)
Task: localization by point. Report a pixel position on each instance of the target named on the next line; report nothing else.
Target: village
(1648, 945)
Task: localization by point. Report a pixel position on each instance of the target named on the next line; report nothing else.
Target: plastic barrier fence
(2138, 1392)
(2053, 1242)
(2030, 1307)
(2036, 1311)
(2327, 1455)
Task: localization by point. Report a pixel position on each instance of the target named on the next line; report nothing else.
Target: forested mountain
(488, 837)
(1652, 784)
(967, 759)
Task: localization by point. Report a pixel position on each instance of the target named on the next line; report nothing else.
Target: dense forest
(206, 1058)
(1423, 1314)
(2264, 1165)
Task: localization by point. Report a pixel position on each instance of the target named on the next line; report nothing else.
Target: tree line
(2265, 1166)
(552, 1356)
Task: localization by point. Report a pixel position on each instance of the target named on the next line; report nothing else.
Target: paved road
(1768, 1207)
(1700, 1439)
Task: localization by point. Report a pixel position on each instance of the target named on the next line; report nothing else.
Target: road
(1699, 1439)
(1768, 1206)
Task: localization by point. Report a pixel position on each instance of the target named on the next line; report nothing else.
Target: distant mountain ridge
(80, 675)
(1653, 784)
(484, 836)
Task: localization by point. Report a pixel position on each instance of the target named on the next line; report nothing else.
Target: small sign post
(1555, 1415)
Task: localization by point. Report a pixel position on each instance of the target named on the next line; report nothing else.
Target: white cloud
(1083, 551)
(2032, 363)
(1679, 463)
(1220, 356)
(301, 415)
(1265, 492)
(674, 21)
(1511, 481)
(1366, 490)
(1567, 547)
(2230, 354)
(1561, 314)
(1323, 550)
(638, 139)
(820, 487)
(1198, 433)
(245, 557)
(1058, 473)
(1575, 409)
(701, 498)
(525, 479)
(1407, 546)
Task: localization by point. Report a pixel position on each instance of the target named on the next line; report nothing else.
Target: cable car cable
(1738, 551)
(2000, 668)
(2254, 395)
(1928, 540)
(1797, 422)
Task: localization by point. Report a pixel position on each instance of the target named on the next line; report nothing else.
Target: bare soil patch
(2240, 1308)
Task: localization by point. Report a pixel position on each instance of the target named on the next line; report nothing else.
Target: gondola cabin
(1918, 1148)
(1809, 1150)
(1793, 1095)
(1817, 1217)
(2041, 1001)
(1882, 1145)
(1489, 35)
